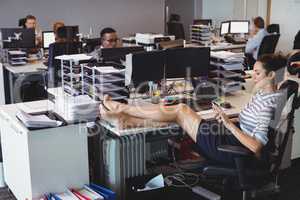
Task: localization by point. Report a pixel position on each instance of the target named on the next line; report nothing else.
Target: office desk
(119, 155)
(17, 73)
(37, 162)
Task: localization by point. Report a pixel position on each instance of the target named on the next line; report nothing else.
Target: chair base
(271, 188)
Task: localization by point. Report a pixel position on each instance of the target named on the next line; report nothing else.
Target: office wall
(287, 14)
(127, 16)
(220, 10)
(184, 8)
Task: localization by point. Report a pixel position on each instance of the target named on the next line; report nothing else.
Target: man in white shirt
(257, 33)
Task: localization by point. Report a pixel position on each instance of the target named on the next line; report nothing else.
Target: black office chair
(267, 46)
(176, 28)
(297, 41)
(294, 70)
(54, 65)
(273, 28)
(262, 174)
(21, 22)
(30, 88)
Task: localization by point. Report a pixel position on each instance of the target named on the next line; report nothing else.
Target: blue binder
(54, 197)
(106, 193)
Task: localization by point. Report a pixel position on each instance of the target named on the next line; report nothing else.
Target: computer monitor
(117, 54)
(147, 66)
(89, 44)
(202, 22)
(224, 28)
(18, 38)
(239, 26)
(48, 38)
(183, 62)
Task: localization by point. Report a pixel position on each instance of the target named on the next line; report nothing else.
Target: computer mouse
(225, 105)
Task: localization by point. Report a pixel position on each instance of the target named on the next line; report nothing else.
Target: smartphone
(216, 104)
(105, 107)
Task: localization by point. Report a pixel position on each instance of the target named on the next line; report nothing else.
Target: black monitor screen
(202, 22)
(147, 66)
(18, 38)
(183, 62)
(114, 54)
(90, 44)
(70, 33)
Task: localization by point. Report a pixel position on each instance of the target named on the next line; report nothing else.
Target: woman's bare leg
(182, 114)
(124, 121)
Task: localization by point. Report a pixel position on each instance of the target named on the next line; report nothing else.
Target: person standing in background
(31, 22)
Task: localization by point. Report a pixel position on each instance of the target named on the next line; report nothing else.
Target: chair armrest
(238, 150)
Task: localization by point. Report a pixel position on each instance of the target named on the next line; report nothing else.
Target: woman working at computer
(254, 119)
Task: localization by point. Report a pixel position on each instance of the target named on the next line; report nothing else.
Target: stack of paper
(77, 108)
(17, 57)
(226, 74)
(200, 34)
(110, 81)
(227, 60)
(74, 57)
(37, 121)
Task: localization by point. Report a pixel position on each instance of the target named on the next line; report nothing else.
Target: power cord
(182, 180)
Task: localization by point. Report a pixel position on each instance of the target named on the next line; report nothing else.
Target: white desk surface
(28, 68)
(237, 100)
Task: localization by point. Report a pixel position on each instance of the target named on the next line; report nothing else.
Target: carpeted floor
(289, 181)
(6, 195)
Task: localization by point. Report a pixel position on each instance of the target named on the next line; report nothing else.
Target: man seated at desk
(254, 119)
(257, 34)
(109, 39)
(31, 22)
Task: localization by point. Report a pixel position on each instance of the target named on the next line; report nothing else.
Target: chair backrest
(58, 49)
(21, 22)
(273, 28)
(297, 41)
(283, 123)
(176, 28)
(33, 88)
(268, 44)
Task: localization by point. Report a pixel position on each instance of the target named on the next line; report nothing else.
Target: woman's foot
(112, 106)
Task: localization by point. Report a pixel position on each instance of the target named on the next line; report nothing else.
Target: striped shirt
(256, 116)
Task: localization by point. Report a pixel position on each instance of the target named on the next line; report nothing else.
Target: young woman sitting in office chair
(254, 119)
